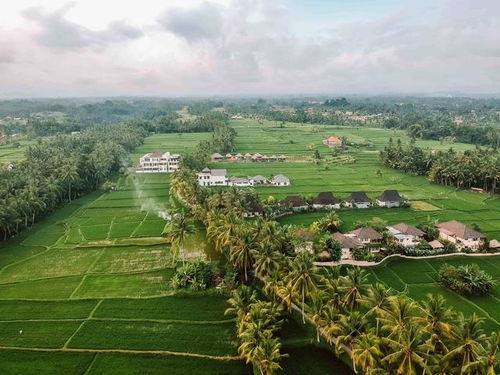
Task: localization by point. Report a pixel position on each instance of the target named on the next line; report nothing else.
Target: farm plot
(417, 277)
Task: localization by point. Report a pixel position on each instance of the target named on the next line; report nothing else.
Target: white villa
(159, 162)
(280, 180)
(212, 177)
(406, 235)
(389, 198)
(461, 235)
(218, 177)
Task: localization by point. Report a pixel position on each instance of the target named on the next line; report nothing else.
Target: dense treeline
(59, 169)
(383, 332)
(472, 168)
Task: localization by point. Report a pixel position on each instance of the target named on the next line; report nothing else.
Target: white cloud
(245, 47)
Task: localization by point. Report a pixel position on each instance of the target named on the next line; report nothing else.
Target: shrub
(196, 275)
(466, 280)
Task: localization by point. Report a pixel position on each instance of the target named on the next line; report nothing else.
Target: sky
(58, 48)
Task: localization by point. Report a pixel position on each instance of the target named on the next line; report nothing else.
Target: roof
(436, 244)
(239, 155)
(218, 172)
(281, 157)
(280, 178)
(217, 155)
(404, 228)
(294, 201)
(325, 198)
(156, 154)
(205, 170)
(390, 196)
(494, 244)
(347, 242)
(358, 197)
(239, 180)
(366, 232)
(459, 229)
(334, 139)
(228, 155)
(247, 155)
(259, 178)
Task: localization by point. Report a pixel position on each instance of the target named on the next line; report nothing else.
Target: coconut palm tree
(377, 301)
(354, 287)
(176, 231)
(400, 314)
(302, 277)
(240, 301)
(467, 348)
(267, 260)
(268, 355)
(242, 249)
(407, 354)
(366, 351)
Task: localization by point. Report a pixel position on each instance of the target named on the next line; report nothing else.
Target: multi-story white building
(406, 235)
(159, 162)
(212, 177)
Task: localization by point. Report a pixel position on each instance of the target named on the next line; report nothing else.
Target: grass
(26, 310)
(418, 278)
(210, 339)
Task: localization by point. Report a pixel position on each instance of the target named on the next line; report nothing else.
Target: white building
(159, 162)
(240, 181)
(461, 235)
(213, 177)
(280, 180)
(406, 235)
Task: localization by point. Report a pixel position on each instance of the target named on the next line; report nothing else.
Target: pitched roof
(216, 155)
(358, 197)
(347, 242)
(294, 201)
(228, 155)
(494, 244)
(459, 229)
(156, 154)
(404, 228)
(325, 198)
(436, 244)
(366, 232)
(280, 178)
(218, 172)
(239, 180)
(333, 139)
(390, 196)
(259, 178)
(205, 170)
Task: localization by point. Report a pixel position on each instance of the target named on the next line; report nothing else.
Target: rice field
(12, 154)
(88, 287)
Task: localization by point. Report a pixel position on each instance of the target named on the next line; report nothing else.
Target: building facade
(159, 162)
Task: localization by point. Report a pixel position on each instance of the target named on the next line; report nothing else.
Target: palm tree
(436, 319)
(468, 338)
(176, 231)
(267, 260)
(366, 352)
(354, 286)
(240, 301)
(331, 222)
(268, 355)
(377, 301)
(302, 277)
(399, 315)
(242, 250)
(315, 309)
(407, 355)
(490, 360)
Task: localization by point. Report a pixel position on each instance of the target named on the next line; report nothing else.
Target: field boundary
(363, 263)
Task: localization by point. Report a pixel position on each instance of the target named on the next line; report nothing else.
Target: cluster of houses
(358, 199)
(218, 177)
(409, 236)
(247, 157)
(158, 162)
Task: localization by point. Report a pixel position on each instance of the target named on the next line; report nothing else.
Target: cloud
(57, 32)
(200, 23)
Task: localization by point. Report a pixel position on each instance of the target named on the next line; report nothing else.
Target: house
(272, 158)
(406, 235)
(326, 200)
(247, 156)
(347, 244)
(358, 199)
(332, 142)
(229, 156)
(217, 157)
(259, 180)
(367, 236)
(212, 177)
(460, 234)
(254, 208)
(239, 156)
(435, 245)
(295, 202)
(389, 198)
(494, 245)
(280, 180)
(240, 181)
(281, 158)
(159, 162)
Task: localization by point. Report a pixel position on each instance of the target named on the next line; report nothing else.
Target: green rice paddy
(91, 281)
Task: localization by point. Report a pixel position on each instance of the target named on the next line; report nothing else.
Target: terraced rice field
(11, 154)
(418, 278)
